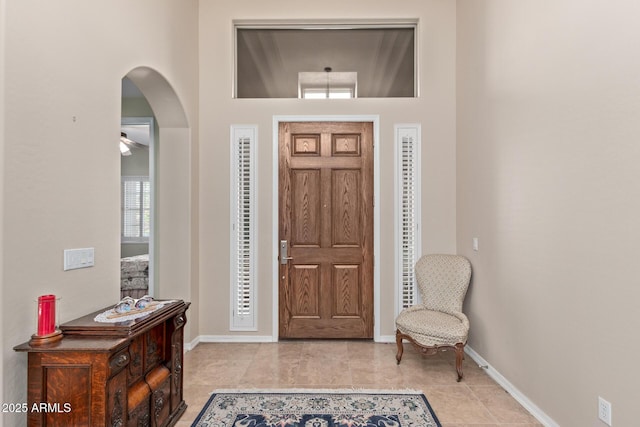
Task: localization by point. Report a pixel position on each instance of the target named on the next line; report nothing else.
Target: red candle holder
(47, 320)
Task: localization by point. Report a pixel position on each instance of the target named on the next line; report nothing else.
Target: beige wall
(64, 64)
(435, 110)
(2, 145)
(548, 102)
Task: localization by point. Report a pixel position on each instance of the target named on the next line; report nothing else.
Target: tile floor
(477, 401)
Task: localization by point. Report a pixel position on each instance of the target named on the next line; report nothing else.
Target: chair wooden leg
(459, 357)
(400, 347)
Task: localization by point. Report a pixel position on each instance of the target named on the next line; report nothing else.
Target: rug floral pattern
(312, 409)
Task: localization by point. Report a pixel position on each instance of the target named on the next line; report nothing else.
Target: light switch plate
(78, 258)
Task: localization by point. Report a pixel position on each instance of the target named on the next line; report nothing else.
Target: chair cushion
(443, 281)
(432, 328)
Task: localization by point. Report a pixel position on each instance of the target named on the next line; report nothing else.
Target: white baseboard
(188, 346)
(512, 390)
(386, 338)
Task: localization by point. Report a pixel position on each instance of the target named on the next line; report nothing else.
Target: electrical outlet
(604, 410)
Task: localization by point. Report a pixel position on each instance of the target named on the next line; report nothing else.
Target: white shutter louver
(407, 212)
(243, 140)
(136, 209)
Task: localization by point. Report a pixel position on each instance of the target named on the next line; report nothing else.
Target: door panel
(326, 218)
(305, 296)
(305, 208)
(346, 208)
(346, 286)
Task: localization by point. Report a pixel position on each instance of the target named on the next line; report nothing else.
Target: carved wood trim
(430, 350)
(118, 410)
(158, 403)
(179, 320)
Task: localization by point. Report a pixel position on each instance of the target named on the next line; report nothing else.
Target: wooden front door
(326, 230)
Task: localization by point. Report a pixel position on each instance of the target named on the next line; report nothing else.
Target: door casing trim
(150, 122)
(375, 119)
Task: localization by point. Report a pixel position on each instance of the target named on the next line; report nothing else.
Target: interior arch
(161, 96)
(173, 221)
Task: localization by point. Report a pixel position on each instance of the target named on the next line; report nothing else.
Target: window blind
(136, 209)
(408, 206)
(243, 229)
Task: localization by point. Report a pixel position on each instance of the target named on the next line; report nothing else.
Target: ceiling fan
(127, 144)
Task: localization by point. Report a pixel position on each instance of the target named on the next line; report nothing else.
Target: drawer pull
(180, 320)
(120, 361)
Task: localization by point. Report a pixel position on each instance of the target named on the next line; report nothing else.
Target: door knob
(283, 252)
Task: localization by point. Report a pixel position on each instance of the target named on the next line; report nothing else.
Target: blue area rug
(309, 408)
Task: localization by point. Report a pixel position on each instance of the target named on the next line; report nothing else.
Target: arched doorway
(172, 254)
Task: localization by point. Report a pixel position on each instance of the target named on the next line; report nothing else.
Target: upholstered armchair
(438, 322)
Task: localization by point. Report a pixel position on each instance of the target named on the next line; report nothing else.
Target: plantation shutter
(408, 212)
(243, 229)
(136, 208)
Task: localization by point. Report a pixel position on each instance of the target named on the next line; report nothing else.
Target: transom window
(270, 57)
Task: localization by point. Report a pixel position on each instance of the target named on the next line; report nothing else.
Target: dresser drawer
(138, 401)
(158, 380)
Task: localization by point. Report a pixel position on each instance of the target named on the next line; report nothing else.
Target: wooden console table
(110, 374)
